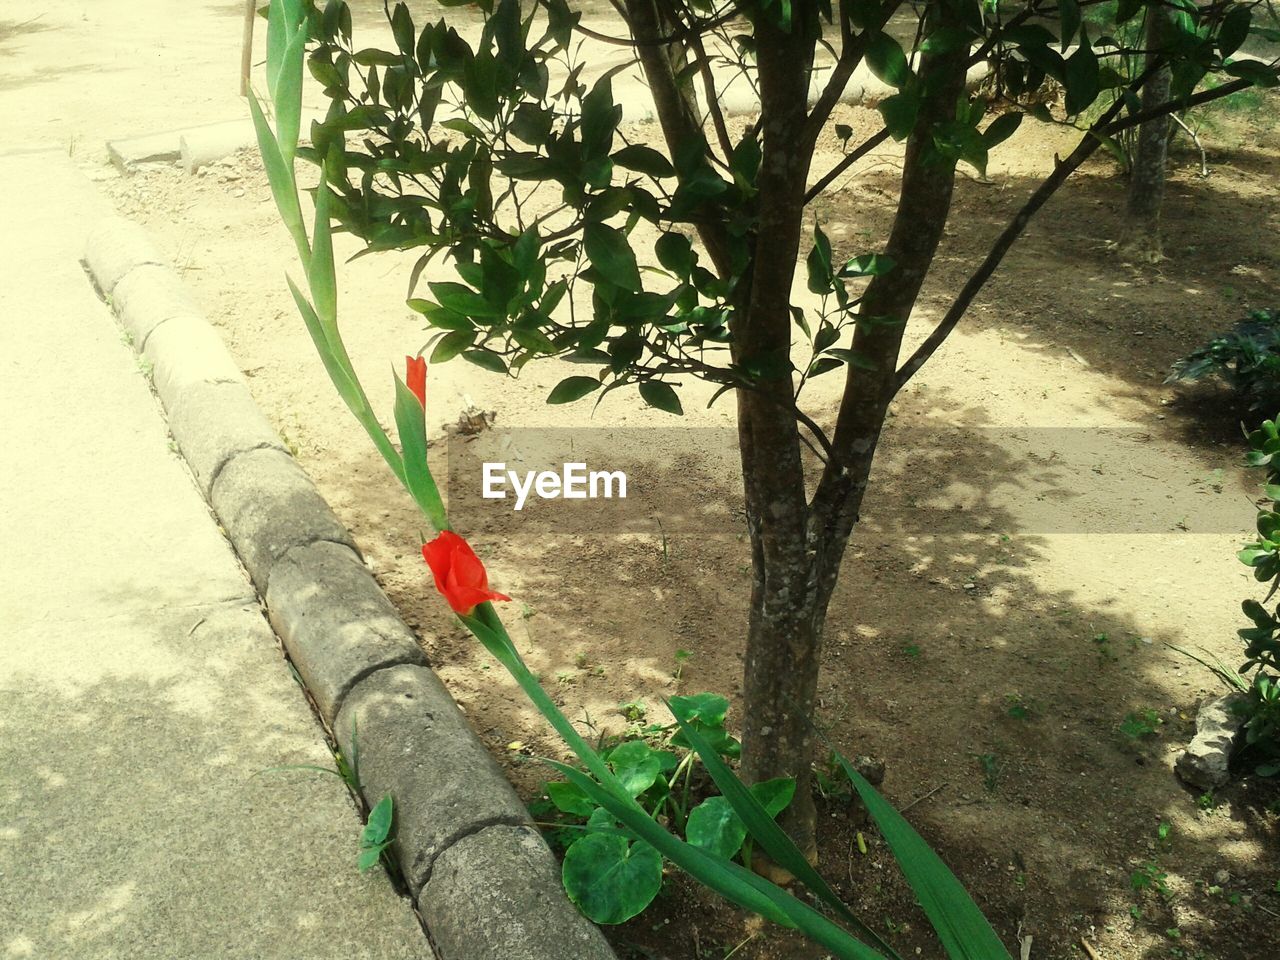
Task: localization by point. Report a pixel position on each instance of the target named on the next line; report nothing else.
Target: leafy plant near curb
(376, 836)
(1247, 358)
(612, 879)
(1262, 639)
(963, 930)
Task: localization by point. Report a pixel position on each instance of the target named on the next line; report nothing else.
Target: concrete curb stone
(463, 838)
(413, 741)
(148, 296)
(115, 247)
(185, 351)
(477, 903)
(340, 624)
(268, 506)
(215, 422)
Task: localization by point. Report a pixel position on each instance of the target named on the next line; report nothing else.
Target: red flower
(416, 377)
(459, 574)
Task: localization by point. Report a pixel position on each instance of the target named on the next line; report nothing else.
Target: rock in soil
(1204, 763)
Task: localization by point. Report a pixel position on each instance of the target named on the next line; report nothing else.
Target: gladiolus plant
(461, 578)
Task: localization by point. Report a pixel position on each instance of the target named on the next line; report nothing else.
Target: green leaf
(402, 29)
(464, 300)
(600, 116)
(965, 933)
(280, 177)
(636, 765)
(287, 98)
(1069, 16)
(1259, 74)
(946, 39)
(610, 252)
(486, 360)
(899, 112)
(369, 857)
(868, 265)
(411, 425)
(727, 878)
(371, 57)
(887, 61)
(775, 795)
(1001, 129)
(573, 388)
(378, 827)
(661, 395)
(714, 827)
(821, 277)
(760, 825)
(438, 316)
(570, 799)
(610, 878)
(452, 344)
(645, 160)
(675, 252)
(707, 708)
(1234, 30)
(322, 274)
(1081, 78)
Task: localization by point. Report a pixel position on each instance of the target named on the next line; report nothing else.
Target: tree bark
(784, 628)
(1146, 179)
(797, 547)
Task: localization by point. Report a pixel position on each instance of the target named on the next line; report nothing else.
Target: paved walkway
(142, 694)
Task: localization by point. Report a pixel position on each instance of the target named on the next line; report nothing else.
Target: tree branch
(1106, 126)
(679, 124)
(849, 160)
(694, 28)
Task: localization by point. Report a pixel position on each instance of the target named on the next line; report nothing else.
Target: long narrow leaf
(766, 832)
(727, 878)
(964, 931)
(288, 95)
(322, 274)
(280, 176)
(347, 386)
(332, 363)
(498, 643)
(412, 426)
(277, 40)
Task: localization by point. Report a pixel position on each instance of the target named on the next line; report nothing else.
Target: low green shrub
(1247, 358)
(1262, 640)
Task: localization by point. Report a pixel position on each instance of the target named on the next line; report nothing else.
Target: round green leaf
(714, 827)
(570, 799)
(378, 826)
(636, 766)
(610, 879)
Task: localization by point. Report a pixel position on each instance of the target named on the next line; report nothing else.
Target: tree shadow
(1065, 290)
(954, 651)
(136, 805)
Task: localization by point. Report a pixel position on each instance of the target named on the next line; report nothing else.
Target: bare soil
(1046, 517)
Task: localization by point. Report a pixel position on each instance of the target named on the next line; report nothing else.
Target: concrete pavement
(142, 694)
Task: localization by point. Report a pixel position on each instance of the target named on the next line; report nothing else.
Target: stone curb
(478, 870)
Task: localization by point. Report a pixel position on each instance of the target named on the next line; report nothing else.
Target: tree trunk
(1146, 179)
(797, 548)
(784, 627)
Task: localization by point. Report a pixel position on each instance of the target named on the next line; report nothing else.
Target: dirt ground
(1046, 517)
